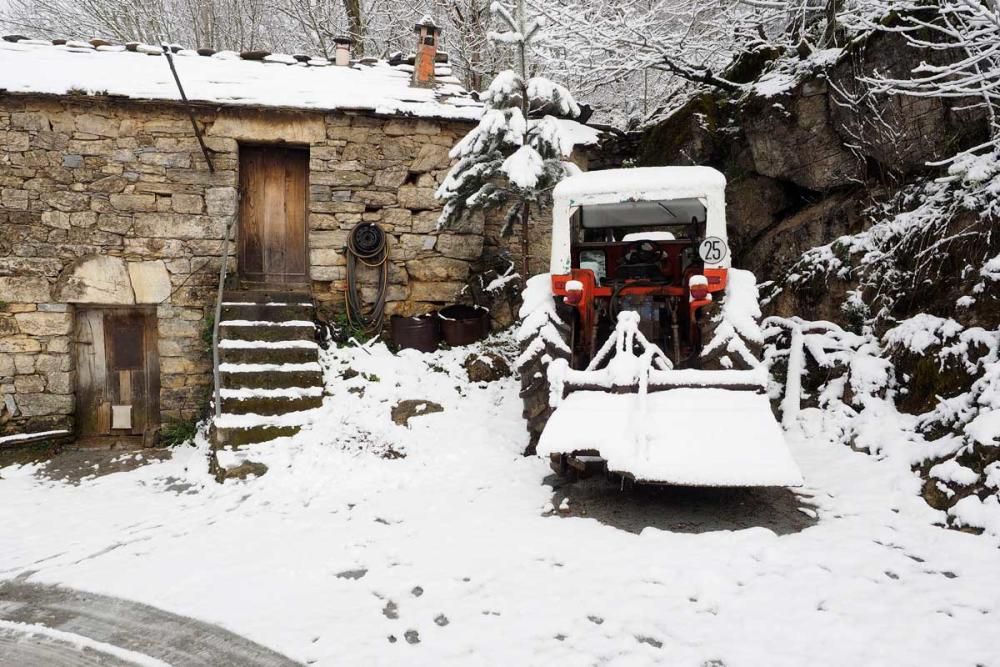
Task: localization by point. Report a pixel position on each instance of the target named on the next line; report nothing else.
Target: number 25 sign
(712, 250)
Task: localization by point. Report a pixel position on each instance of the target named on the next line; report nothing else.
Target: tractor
(640, 348)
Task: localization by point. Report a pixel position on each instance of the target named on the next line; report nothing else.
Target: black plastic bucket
(419, 332)
(464, 325)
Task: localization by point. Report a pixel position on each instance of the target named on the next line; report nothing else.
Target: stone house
(113, 212)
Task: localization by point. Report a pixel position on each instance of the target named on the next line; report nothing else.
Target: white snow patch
(7, 439)
(266, 323)
(235, 344)
(259, 368)
(244, 393)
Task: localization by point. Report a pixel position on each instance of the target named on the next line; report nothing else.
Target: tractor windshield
(624, 222)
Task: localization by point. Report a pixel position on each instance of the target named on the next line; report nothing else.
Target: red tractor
(641, 346)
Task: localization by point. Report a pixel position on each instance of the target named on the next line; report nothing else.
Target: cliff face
(809, 149)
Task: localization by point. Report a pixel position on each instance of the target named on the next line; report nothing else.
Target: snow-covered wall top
(39, 67)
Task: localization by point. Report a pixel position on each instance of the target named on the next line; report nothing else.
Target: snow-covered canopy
(645, 184)
(39, 67)
(641, 184)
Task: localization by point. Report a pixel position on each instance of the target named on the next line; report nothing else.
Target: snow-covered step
(286, 392)
(267, 330)
(252, 419)
(274, 345)
(260, 352)
(280, 310)
(233, 430)
(266, 323)
(269, 405)
(270, 368)
(271, 378)
(268, 376)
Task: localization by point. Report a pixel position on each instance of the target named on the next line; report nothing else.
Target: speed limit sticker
(712, 250)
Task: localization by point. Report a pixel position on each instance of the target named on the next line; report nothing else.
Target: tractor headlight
(574, 292)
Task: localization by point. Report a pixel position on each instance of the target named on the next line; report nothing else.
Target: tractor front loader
(641, 346)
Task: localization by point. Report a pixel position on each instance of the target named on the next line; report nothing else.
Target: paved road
(50, 626)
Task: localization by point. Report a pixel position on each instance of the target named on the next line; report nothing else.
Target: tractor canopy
(653, 201)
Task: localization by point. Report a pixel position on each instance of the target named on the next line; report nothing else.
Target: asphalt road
(51, 626)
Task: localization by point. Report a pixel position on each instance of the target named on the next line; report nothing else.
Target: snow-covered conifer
(517, 153)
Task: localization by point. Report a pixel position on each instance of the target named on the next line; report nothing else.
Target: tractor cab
(655, 244)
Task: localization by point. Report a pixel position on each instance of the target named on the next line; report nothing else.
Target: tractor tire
(533, 370)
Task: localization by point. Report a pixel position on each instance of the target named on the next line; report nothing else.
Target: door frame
(242, 280)
(151, 366)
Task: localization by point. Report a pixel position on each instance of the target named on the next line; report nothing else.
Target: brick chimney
(423, 63)
(342, 51)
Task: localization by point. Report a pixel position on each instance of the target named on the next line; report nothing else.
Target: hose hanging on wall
(366, 244)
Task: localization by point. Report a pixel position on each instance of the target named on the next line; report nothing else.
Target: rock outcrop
(807, 154)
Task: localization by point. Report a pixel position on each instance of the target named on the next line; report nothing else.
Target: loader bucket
(682, 436)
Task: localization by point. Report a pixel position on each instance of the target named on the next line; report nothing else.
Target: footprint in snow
(352, 574)
(390, 610)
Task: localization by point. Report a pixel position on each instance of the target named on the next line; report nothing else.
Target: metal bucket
(464, 325)
(420, 332)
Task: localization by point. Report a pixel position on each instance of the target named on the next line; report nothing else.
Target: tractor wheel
(721, 341)
(537, 351)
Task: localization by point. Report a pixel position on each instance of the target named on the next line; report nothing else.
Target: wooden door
(274, 187)
(117, 365)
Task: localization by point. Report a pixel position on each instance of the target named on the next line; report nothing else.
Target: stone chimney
(423, 63)
(342, 51)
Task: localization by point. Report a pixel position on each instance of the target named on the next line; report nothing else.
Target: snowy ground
(339, 555)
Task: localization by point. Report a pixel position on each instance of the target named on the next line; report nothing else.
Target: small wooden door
(274, 187)
(117, 364)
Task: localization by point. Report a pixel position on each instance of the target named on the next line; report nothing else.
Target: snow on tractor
(641, 346)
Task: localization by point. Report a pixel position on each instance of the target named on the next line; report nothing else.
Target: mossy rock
(750, 65)
(689, 135)
(928, 379)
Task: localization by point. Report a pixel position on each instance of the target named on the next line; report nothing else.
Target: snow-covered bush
(926, 357)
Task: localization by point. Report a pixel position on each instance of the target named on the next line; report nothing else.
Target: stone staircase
(271, 379)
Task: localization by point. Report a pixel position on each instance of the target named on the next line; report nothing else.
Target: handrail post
(218, 316)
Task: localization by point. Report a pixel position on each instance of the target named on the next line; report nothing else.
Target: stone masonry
(106, 201)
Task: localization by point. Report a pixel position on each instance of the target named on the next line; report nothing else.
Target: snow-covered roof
(278, 80)
(642, 183)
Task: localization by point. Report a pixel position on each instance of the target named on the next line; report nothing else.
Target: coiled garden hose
(366, 244)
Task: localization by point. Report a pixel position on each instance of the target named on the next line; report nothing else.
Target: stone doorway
(118, 376)
(274, 190)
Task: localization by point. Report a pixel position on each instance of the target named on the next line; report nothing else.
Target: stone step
(270, 379)
(266, 295)
(265, 311)
(268, 332)
(234, 437)
(267, 405)
(268, 355)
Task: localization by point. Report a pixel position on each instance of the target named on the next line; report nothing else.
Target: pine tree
(516, 155)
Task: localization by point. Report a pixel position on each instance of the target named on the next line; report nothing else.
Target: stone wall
(111, 202)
